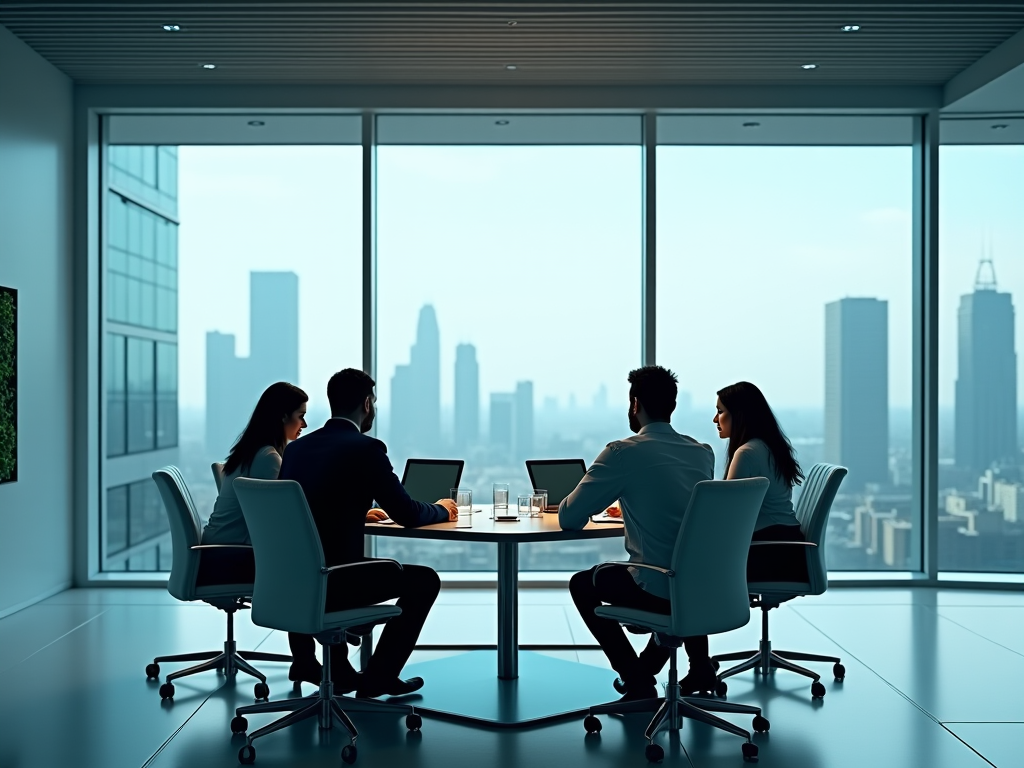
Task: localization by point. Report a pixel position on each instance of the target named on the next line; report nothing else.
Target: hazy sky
(534, 255)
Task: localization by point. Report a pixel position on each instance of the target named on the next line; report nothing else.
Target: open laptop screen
(556, 476)
(431, 479)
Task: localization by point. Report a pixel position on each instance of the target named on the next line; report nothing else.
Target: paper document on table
(604, 517)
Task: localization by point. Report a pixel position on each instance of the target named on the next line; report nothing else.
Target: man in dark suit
(342, 472)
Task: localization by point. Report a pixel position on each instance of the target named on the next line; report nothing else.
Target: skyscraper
(522, 438)
(234, 384)
(467, 396)
(416, 391)
(502, 419)
(986, 384)
(857, 389)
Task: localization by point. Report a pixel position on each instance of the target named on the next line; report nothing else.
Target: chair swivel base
(765, 660)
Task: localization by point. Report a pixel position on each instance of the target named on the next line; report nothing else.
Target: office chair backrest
(185, 532)
(812, 510)
(290, 591)
(709, 591)
(218, 474)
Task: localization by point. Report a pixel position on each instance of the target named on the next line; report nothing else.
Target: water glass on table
(500, 499)
(463, 498)
(544, 502)
(538, 503)
(525, 508)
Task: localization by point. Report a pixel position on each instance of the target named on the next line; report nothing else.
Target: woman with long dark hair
(759, 448)
(279, 417)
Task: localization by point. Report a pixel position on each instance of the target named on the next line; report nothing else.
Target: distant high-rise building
(502, 420)
(857, 389)
(234, 384)
(467, 396)
(416, 392)
(986, 384)
(522, 437)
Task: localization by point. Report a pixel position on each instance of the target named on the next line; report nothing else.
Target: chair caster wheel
(840, 672)
(247, 755)
(750, 752)
(348, 754)
(654, 753)
(721, 688)
(592, 724)
(817, 690)
(413, 722)
(167, 691)
(239, 724)
(761, 724)
(261, 691)
(152, 671)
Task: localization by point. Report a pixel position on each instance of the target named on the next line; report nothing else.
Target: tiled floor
(934, 679)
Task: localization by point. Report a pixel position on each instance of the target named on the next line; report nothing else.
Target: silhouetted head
(742, 414)
(350, 393)
(652, 395)
(279, 416)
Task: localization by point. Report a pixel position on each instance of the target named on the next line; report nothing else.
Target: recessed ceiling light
(208, 66)
(1000, 127)
(256, 123)
(808, 66)
(511, 67)
(850, 28)
(172, 28)
(512, 22)
(751, 125)
(501, 122)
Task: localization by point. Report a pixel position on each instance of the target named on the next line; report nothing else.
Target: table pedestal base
(466, 688)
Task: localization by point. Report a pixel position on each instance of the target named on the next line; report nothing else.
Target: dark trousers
(615, 585)
(416, 588)
(226, 566)
(777, 563)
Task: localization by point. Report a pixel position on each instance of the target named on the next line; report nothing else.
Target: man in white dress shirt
(651, 475)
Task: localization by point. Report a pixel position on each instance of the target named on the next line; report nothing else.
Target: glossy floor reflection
(933, 679)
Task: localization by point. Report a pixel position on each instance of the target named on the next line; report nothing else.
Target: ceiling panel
(485, 43)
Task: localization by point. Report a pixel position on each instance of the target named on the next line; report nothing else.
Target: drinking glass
(500, 499)
(525, 503)
(544, 493)
(464, 501)
(537, 503)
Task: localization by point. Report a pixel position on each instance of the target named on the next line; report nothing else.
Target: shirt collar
(656, 426)
(344, 418)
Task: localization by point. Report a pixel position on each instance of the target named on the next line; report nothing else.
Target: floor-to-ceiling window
(785, 259)
(508, 317)
(981, 277)
(254, 279)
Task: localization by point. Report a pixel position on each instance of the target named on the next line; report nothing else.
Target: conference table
(529, 687)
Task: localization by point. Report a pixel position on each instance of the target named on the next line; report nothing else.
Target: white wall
(35, 258)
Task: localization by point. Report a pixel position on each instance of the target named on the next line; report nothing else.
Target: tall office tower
(234, 384)
(502, 431)
(273, 327)
(522, 437)
(416, 392)
(467, 396)
(986, 384)
(857, 389)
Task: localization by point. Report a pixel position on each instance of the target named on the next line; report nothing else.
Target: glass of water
(500, 499)
(544, 493)
(525, 503)
(538, 501)
(464, 501)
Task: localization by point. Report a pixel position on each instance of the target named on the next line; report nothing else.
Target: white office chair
(185, 559)
(708, 595)
(218, 474)
(812, 511)
(290, 595)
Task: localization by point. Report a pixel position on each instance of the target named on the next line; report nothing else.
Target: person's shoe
(620, 686)
(397, 687)
(640, 693)
(305, 672)
(699, 679)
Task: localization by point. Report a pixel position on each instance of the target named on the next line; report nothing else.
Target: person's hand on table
(452, 507)
(613, 511)
(375, 515)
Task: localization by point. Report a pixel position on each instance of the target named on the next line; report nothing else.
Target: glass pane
(166, 395)
(117, 519)
(495, 265)
(146, 516)
(790, 267)
(141, 396)
(116, 395)
(981, 471)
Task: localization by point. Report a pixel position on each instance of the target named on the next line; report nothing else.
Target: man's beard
(367, 421)
(634, 422)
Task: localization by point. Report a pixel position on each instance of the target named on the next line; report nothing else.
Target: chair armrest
(668, 572)
(395, 563)
(222, 546)
(792, 543)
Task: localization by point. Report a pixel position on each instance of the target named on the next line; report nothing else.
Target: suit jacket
(342, 472)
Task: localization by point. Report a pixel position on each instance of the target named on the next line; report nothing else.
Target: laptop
(428, 480)
(557, 476)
